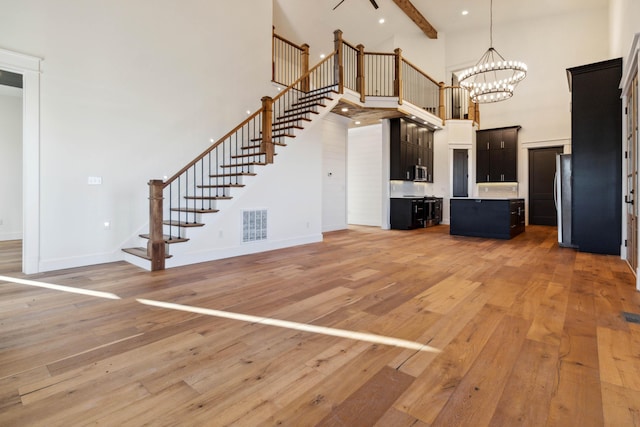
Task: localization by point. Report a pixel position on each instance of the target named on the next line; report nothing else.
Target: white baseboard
(244, 249)
(79, 261)
(10, 236)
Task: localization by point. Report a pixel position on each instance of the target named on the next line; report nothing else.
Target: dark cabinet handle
(627, 200)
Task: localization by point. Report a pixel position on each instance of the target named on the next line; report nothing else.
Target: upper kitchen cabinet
(411, 151)
(596, 156)
(497, 155)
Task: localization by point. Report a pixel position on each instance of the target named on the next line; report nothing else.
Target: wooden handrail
(308, 74)
(380, 53)
(350, 45)
(282, 39)
(420, 71)
(211, 148)
(247, 120)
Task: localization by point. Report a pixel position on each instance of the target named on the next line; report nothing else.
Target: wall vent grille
(254, 225)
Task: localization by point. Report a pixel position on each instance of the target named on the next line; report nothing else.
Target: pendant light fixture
(493, 78)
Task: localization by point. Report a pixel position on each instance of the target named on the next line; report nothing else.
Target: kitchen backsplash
(498, 190)
(410, 188)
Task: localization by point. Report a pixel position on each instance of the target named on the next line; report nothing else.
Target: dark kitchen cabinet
(493, 218)
(596, 159)
(411, 145)
(497, 155)
(415, 212)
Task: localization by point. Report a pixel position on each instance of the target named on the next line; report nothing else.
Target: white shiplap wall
(364, 194)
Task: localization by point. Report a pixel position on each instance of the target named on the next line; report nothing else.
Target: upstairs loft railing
(177, 203)
(458, 105)
(379, 74)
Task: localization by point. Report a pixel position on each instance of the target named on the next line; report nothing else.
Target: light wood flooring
(527, 334)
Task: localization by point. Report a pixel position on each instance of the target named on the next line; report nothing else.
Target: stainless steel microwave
(420, 173)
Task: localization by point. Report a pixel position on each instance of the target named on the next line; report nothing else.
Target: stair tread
(229, 175)
(240, 156)
(305, 106)
(290, 135)
(194, 210)
(289, 120)
(141, 252)
(277, 127)
(208, 197)
(244, 164)
(284, 116)
(303, 100)
(221, 186)
(182, 224)
(167, 239)
(253, 147)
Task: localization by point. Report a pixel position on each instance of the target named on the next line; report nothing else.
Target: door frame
(630, 72)
(30, 68)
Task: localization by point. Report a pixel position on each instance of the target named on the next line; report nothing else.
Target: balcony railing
(377, 74)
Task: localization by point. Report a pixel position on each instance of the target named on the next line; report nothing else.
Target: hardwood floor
(10, 256)
(527, 334)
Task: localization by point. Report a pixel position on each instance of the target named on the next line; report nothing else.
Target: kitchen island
(493, 218)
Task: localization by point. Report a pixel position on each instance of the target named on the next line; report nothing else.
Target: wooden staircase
(252, 150)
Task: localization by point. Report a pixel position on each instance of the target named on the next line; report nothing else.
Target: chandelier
(493, 78)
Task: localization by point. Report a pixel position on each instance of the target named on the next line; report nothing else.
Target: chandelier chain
(493, 78)
(491, 23)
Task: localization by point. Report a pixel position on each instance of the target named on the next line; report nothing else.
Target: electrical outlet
(1, 221)
(94, 180)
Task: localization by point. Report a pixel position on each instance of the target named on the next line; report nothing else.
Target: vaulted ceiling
(359, 20)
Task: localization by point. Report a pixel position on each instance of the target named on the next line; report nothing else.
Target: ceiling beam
(410, 10)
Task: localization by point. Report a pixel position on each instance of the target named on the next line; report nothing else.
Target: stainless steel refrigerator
(562, 196)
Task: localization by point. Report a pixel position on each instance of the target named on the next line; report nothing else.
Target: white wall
(365, 168)
(10, 163)
(334, 172)
(624, 23)
(130, 91)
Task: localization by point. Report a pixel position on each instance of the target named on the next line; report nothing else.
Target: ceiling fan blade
(338, 5)
(373, 2)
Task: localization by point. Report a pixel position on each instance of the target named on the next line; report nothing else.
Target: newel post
(360, 72)
(338, 71)
(305, 67)
(441, 104)
(156, 245)
(471, 114)
(397, 82)
(266, 146)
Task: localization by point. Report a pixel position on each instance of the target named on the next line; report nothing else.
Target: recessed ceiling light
(357, 123)
(322, 56)
(465, 12)
(248, 112)
(344, 110)
(381, 21)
